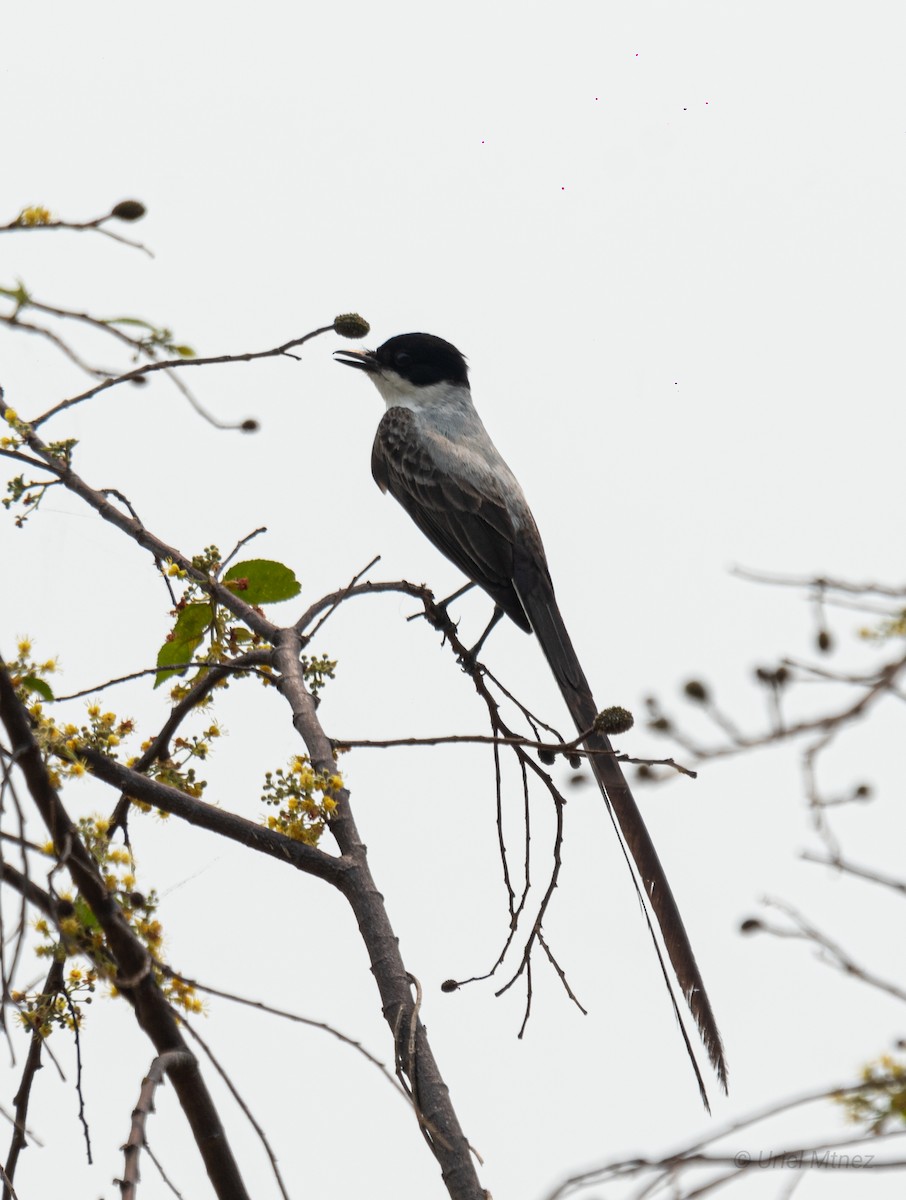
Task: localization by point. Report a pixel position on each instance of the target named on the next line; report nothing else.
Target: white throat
(397, 392)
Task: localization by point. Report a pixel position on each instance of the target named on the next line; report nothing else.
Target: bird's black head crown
(423, 359)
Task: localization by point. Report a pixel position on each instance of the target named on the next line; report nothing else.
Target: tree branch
(177, 363)
(134, 977)
(414, 1055)
(136, 1140)
(217, 820)
(52, 985)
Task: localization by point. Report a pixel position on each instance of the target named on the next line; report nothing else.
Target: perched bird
(434, 455)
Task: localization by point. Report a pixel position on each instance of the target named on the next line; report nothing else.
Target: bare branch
(666, 1169)
(237, 666)
(140, 534)
(347, 591)
(450, 1146)
(897, 885)
(95, 226)
(169, 364)
(77, 1039)
(242, 542)
(329, 602)
(822, 583)
(137, 1140)
(286, 1015)
(60, 343)
(247, 1112)
(438, 617)
(882, 683)
(829, 951)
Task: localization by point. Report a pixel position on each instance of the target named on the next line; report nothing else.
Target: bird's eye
(402, 358)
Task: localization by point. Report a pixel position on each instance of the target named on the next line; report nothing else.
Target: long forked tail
(537, 596)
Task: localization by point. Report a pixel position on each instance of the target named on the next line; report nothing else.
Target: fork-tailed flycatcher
(433, 454)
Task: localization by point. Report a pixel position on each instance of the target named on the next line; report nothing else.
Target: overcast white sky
(670, 239)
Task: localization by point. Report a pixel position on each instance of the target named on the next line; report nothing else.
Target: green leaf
(184, 351)
(19, 294)
(192, 621)
(85, 914)
(187, 636)
(33, 684)
(262, 581)
(130, 321)
(172, 653)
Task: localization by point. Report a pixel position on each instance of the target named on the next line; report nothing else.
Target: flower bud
(351, 325)
(128, 210)
(614, 720)
(696, 690)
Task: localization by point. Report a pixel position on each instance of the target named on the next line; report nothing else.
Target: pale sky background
(670, 240)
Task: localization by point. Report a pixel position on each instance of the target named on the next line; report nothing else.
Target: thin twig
(830, 952)
(693, 1154)
(242, 542)
(821, 582)
(60, 343)
(52, 986)
(74, 1018)
(840, 864)
(177, 363)
(286, 1015)
(247, 1112)
(340, 597)
(95, 226)
(201, 664)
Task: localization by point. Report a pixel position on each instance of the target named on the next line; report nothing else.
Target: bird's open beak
(365, 360)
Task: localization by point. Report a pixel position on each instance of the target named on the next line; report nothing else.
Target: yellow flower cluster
(79, 935)
(40, 1013)
(29, 493)
(62, 744)
(881, 1103)
(306, 799)
(11, 417)
(36, 214)
(891, 627)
